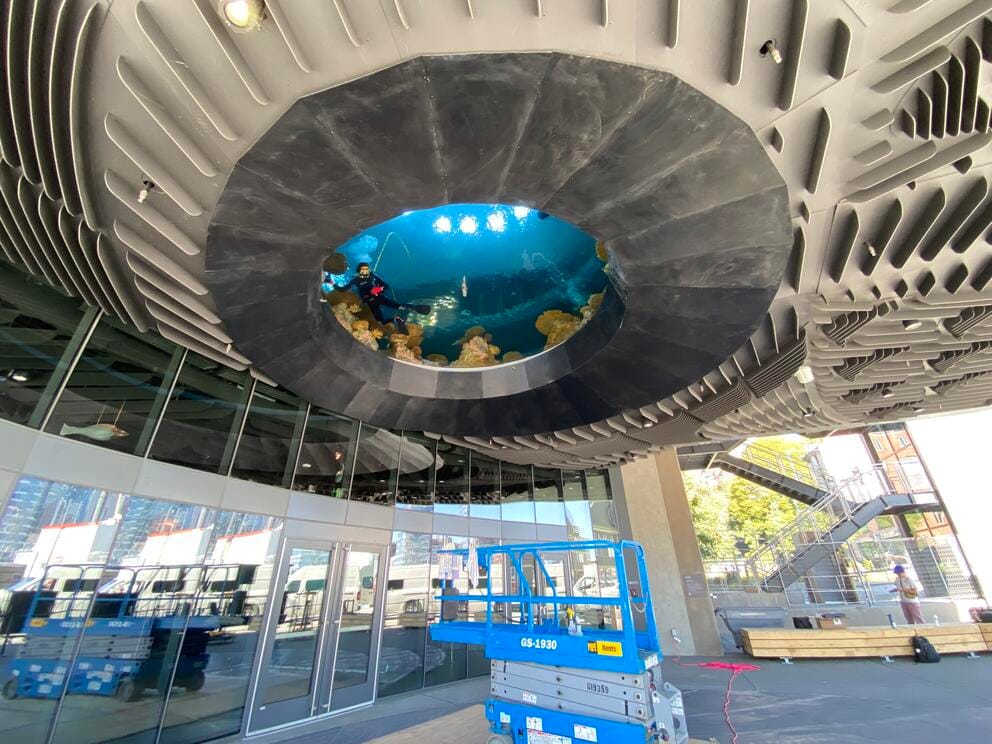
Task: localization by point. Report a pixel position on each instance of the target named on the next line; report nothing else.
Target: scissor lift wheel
(499, 739)
(10, 689)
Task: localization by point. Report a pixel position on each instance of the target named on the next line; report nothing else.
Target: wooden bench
(987, 633)
(845, 643)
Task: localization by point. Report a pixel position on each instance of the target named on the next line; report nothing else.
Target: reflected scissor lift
(555, 679)
(127, 628)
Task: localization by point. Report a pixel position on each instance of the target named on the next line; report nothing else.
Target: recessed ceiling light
(887, 393)
(442, 225)
(242, 15)
(918, 409)
(18, 377)
(804, 374)
(468, 225)
(912, 325)
(521, 212)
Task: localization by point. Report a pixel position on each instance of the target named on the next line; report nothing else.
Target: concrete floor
(809, 702)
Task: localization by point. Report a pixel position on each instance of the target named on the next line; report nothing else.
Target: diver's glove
(376, 291)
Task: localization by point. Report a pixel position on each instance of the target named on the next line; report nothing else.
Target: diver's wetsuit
(372, 290)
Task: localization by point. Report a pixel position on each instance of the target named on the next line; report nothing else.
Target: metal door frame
(326, 692)
(264, 652)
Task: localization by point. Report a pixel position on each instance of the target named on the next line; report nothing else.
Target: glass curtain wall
(203, 416)
(123, 616)
(37, 326)
(117, 389)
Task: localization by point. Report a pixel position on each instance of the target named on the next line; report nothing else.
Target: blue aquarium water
(479, 264)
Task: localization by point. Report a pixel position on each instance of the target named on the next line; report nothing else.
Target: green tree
(733, 515)
(708, 503)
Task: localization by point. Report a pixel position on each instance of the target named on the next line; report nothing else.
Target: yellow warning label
(605, 648)
(38, 623)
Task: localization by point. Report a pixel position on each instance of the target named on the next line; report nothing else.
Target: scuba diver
(372, 289)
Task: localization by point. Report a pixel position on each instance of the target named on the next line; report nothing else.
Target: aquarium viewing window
(465, 285)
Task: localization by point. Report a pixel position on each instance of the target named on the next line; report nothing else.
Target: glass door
(295, 648)
(357, 617)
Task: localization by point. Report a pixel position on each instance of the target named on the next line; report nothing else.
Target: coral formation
(477, 352)
(474, 332)
(406, 347)
(336, 263)
(601, 253)
(512, 356)
(364, 335)
(559, 326)
(436, 360)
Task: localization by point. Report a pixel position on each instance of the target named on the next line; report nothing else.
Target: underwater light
(442, 225)
(468, 225)
(521, 212)
(496, 221)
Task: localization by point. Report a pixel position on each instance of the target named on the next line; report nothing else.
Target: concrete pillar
(653, 509)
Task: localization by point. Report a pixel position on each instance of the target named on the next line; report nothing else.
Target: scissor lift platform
(554, 681)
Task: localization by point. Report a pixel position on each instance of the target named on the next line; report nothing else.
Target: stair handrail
(841, 502)
(793, 467)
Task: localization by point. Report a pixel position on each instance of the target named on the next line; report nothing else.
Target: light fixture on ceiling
(887, 393)
(808, 413)
(912, 325)
(18, 376)
(242, 15)
(918, 409)
(145, 190)
(769, 49)
(306, 465)
(870, 247)
(804, 374)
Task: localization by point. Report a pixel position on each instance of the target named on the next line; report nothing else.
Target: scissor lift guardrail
(556, 682)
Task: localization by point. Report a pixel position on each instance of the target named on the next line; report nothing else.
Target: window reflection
(239, 563)
(376, 462)
(173, 594)
(517, 492)
(548, 496)
(484, 486)
(452, 489)
(418, 459)
(36, 325)
(270, 440)
(294, 649)
(203, 416)
(358, 598)
(51, 531)
(324, 465)
(401, 661)
(446, 662)
(117, 389)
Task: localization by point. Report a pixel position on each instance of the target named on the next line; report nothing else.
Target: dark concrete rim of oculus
(695, 216)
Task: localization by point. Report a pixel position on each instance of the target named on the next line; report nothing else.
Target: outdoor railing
(793, 467)
(814, 525)
(856, 572)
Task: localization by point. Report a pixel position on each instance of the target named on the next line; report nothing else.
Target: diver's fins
(421, 309)
(400, 325)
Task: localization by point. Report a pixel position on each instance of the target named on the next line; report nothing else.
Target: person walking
(909, 595)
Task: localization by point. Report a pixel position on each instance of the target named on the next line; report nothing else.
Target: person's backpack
(924, 651)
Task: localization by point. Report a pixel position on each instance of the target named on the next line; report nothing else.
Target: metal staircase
(788, 475)
(816, 533)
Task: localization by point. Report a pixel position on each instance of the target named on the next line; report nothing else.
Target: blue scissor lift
(555, 680)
